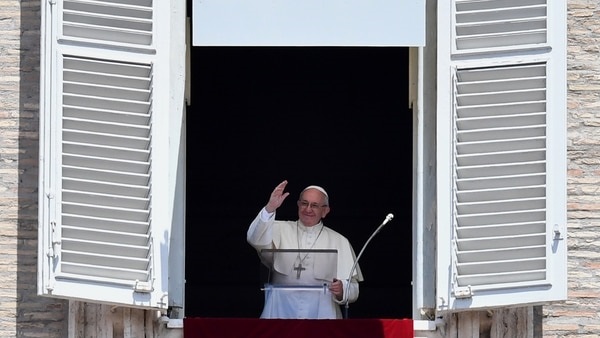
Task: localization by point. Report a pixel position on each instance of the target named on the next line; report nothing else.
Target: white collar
(314, 228)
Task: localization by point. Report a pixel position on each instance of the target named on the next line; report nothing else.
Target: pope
(304, 268)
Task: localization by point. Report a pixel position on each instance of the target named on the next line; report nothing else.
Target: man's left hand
(337, 288)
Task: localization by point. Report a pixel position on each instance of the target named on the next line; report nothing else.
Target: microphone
(387, 219)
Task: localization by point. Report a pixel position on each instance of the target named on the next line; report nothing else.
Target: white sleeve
(260, 232)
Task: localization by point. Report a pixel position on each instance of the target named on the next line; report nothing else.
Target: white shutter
(107, 115)
(501, 153)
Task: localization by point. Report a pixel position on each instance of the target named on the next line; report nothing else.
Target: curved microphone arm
(346, 295)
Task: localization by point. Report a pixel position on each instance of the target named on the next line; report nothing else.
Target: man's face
(312, 207)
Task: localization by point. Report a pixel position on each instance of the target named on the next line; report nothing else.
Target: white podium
(297, 283)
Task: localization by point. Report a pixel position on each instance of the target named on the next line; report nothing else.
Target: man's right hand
(277, 197)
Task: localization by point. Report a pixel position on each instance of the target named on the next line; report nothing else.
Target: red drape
(301, 328)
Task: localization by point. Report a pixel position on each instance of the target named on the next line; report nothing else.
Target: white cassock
(304, 303)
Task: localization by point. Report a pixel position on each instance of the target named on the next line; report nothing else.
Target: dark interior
(333, 116)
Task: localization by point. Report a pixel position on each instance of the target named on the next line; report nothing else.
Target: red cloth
(297, 328)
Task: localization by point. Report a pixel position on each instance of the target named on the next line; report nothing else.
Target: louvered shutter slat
(115, 254)
(130, 24)
(496, 267)
(103, 274)
(501, 145)
(481, 172)
(500, 157)
(502, 217)
(82, 210)
(485, 182)
(126, 130)
(110, 68)
(124, 82)
(107, 225)
(105, 140)
(128, 118)
(485, 243)
(473, 132)
(98, 103)
(486, 16)
(508, 108)
(107, 151)
(499, 205)
(479, 30)
(107, 93)
(510, 279)
(468, 5)
(505, 126)
(465, 196)
(104, 187)
(107, 200)
(511, 253)
(501, 230)
(106, 235)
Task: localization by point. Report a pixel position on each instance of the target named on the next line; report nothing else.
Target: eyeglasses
(305, 204)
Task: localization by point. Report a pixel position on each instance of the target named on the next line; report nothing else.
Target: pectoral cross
(299, 270)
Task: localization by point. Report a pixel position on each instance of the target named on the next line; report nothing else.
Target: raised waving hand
(277, 197)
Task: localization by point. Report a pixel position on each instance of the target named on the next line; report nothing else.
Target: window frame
(429, 204)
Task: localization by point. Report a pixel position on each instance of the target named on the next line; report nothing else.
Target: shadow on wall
(35, 315)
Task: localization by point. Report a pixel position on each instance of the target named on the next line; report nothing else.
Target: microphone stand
(347, 304)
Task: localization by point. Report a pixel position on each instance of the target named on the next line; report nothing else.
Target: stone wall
(22, 312)
(580, 315)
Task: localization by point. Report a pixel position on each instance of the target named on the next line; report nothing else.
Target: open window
(111, 153)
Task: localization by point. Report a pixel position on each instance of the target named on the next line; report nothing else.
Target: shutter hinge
(54, 245)
(52, 2)
(557, 233)
(50, 287)
(164, 300)
(463, 292)
(143, 287)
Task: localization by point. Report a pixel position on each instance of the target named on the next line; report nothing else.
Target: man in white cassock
(301, 268)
